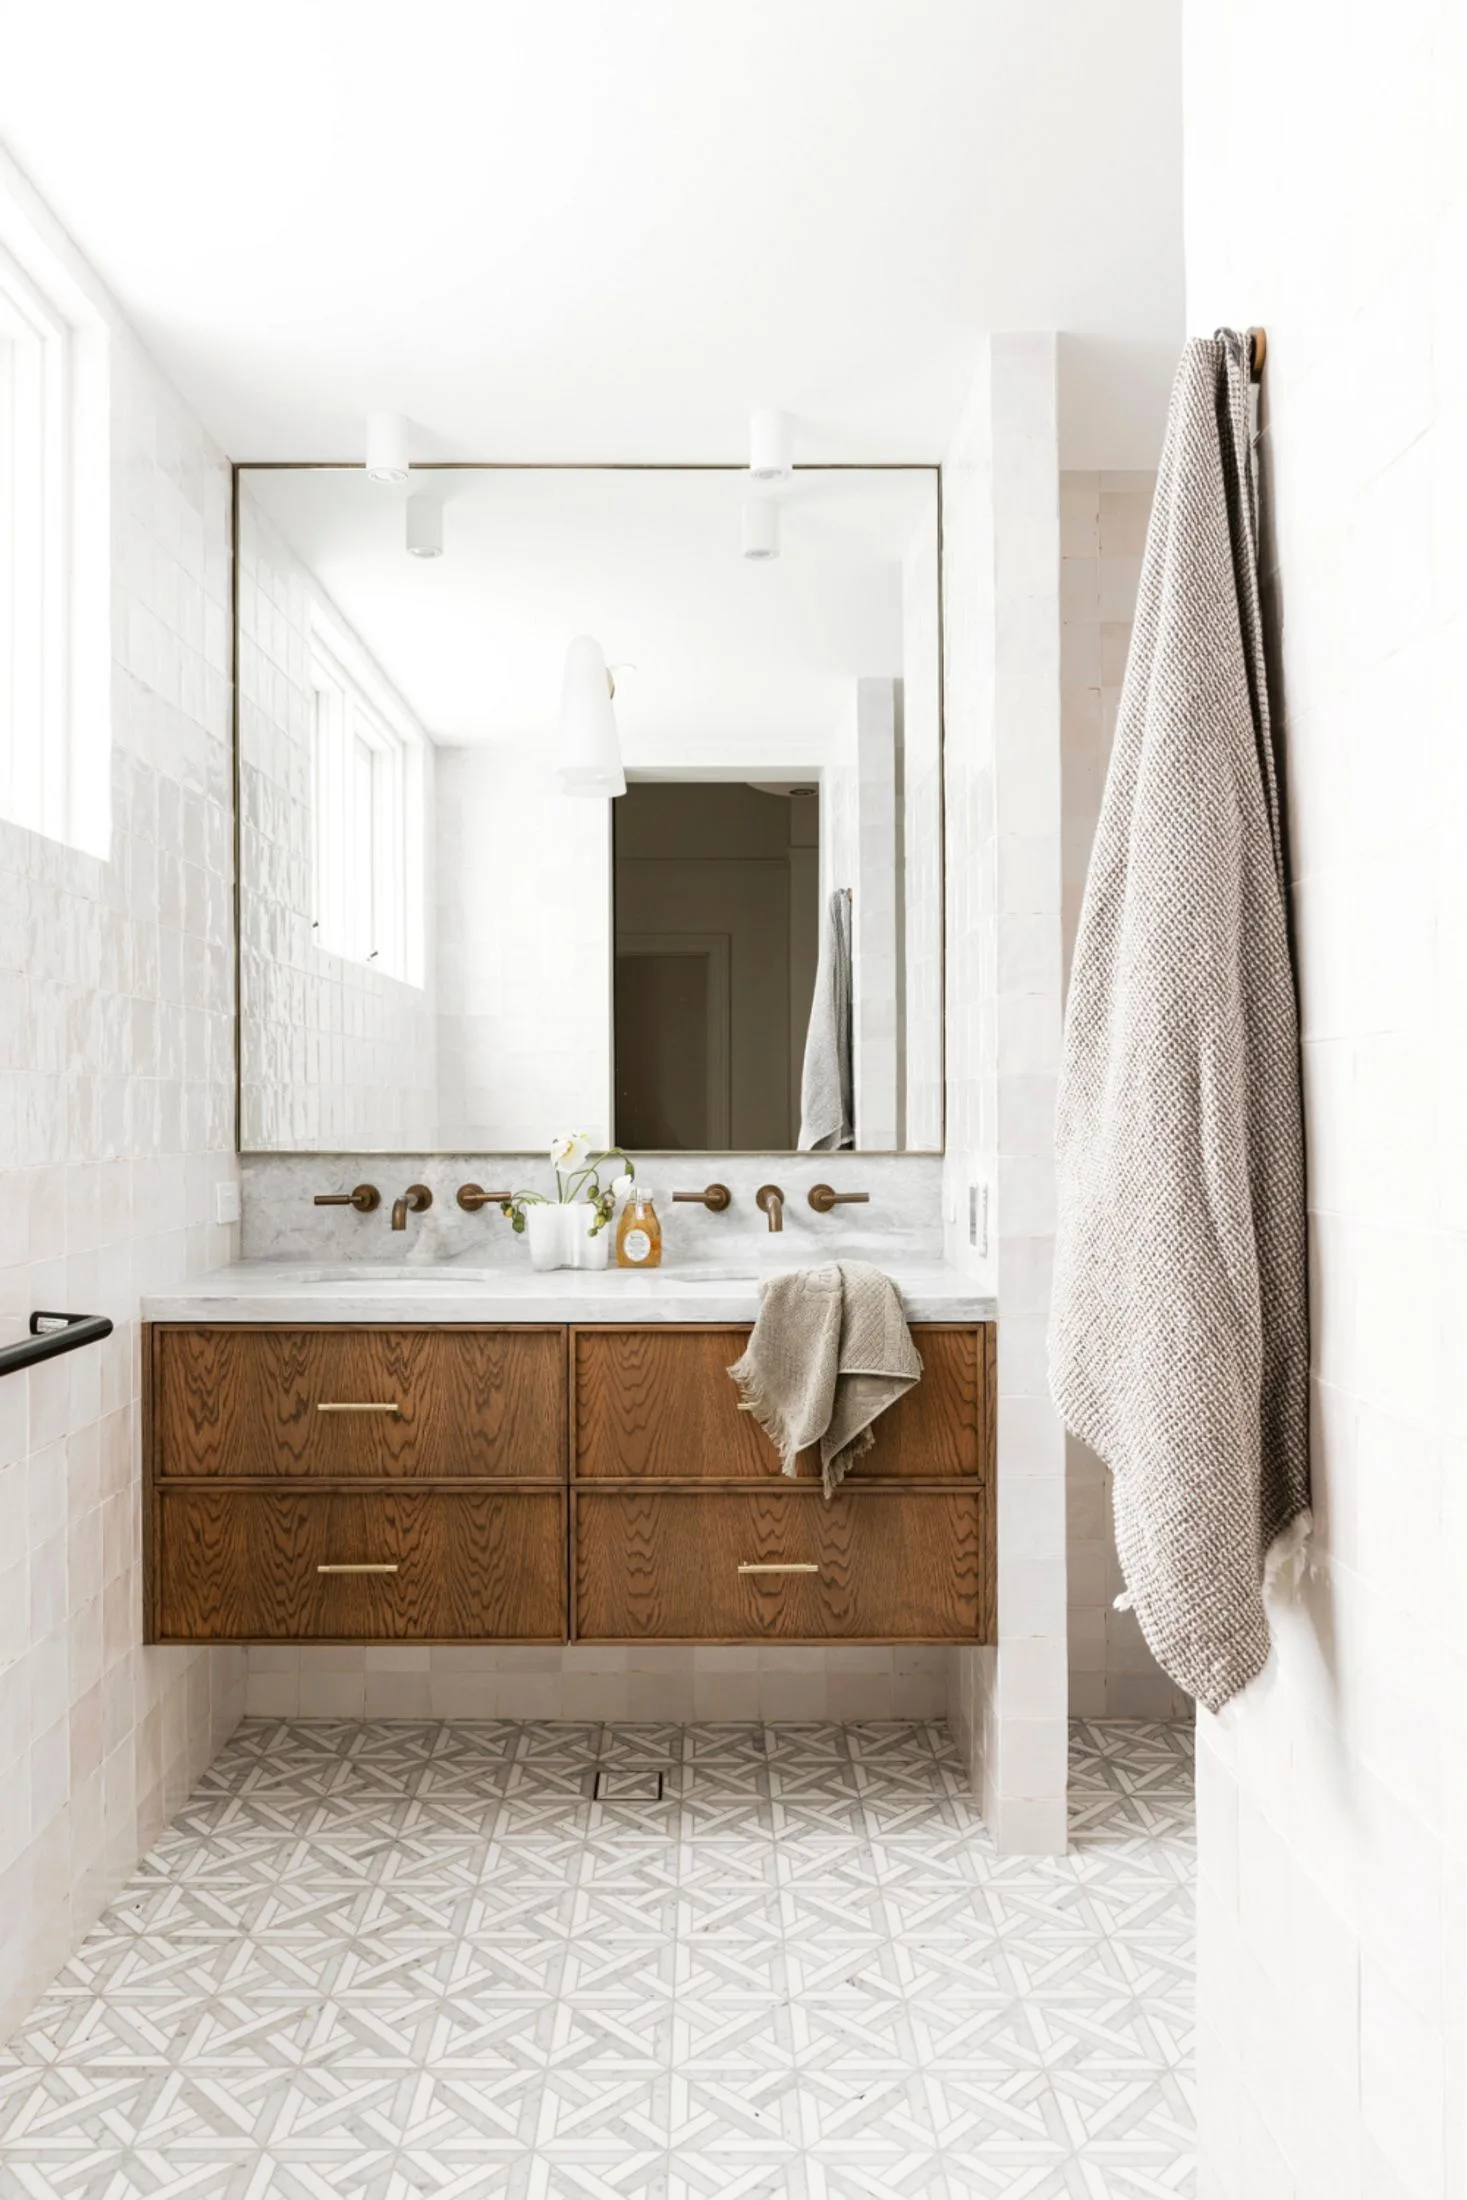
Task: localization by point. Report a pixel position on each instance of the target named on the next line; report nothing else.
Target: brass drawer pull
(370, 1405)
(747, 1567)
(388, 1568)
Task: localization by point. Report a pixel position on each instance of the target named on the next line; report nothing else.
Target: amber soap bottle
(639, 1233)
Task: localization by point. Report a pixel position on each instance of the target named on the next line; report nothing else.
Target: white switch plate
(226, 1202)
(978, 1217)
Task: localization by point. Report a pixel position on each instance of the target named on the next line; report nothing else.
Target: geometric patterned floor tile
(410, 1960)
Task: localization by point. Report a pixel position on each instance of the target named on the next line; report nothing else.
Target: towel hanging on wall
(1179, 1339)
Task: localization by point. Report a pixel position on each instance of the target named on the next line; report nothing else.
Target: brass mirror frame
(241, 466)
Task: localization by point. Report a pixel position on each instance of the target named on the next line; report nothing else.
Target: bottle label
(636, 1245)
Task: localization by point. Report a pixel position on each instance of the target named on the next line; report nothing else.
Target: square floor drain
(629, 1787)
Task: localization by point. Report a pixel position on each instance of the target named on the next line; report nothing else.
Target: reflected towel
(830, 1352)
(827, 1083)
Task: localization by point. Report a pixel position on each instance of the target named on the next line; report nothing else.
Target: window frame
(35, 543)
(366, 827)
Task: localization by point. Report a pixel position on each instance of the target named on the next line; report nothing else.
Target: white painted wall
(522, 875)
(1325, 201)
(116, 1122)
(1001, 597)
(336, 1053)
(1103, 520)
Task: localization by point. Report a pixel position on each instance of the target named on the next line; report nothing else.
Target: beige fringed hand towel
(1179, 1339)
(830, 1352)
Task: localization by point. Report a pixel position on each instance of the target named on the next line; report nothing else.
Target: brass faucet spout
(414, 1200)
(770, 1199)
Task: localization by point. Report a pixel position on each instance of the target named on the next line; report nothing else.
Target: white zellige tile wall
(1001, 595)
(1333, 1796)
(116, 1122)
(334, 1052)
(1103, 520)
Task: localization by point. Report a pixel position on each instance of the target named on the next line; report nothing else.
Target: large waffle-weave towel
(1179, 1326)
(830, 1352)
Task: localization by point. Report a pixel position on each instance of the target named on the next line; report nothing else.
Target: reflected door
(672, 1055)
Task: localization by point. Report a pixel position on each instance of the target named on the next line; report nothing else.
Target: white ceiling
(736, 663)
(593, 230)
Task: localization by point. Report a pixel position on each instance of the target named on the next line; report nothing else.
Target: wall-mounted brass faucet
(715, 1197)
(366, 1199)
(414, 1200)
(823, 1198)
(471, 1197)
(770, 1199)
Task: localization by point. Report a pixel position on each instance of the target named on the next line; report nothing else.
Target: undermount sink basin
(373, 1271)
(451, 1276)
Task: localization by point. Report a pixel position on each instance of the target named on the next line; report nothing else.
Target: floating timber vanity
(539, 1482)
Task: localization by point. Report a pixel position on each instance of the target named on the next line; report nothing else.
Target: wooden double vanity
(542, 1483)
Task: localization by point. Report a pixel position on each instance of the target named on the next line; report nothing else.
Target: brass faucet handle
(471, 1197)
(715, 1197)
(823, 1197)
(365, 1198)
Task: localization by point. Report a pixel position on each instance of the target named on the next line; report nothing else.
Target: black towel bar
(50, 1334)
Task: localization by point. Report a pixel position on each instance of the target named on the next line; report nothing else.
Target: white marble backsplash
(902, 1221)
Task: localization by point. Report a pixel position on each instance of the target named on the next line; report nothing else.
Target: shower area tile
(383, 1959)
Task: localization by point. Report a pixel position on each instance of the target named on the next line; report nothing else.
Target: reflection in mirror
(441, 948)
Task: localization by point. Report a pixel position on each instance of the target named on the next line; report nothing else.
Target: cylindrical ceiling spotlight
(761, 527)
(771, 446)
(424, 522)
(590, 746)
(387, 447)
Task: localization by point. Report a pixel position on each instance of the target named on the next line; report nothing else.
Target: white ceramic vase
(586, 1251)
(549, 1242)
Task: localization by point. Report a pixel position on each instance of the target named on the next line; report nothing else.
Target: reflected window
(366, 797)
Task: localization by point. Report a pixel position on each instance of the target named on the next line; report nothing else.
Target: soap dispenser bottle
(639, 1233)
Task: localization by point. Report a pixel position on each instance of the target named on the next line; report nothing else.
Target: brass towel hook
(1257, 352)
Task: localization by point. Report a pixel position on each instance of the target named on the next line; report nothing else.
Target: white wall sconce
(761, 528)
(387, 446)
(590, 746)
(423, 525)
(771, 446)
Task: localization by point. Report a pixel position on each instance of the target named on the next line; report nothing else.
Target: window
(54, 616)
(366, 818)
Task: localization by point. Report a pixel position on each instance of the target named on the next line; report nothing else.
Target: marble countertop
(361, 1291)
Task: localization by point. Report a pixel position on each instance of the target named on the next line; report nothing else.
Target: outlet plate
(978, 1217)
(226, 1202)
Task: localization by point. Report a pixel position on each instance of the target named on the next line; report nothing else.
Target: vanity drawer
(890, 1566)
(655, 1403)
(232, 1565)
(359, 1404)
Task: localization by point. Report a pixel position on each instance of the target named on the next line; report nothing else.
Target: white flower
(569, 1150)
(622, 1187)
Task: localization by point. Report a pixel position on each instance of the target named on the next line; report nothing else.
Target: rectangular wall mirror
(440, 948)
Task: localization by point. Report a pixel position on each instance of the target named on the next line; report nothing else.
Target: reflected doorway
(716, 899)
